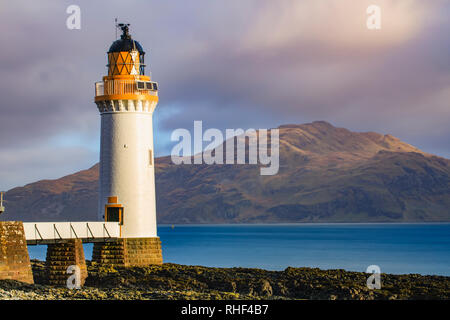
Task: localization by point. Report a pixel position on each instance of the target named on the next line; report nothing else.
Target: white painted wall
(125, 169)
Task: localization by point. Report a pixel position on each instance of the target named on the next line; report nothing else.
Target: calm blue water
(396, 248)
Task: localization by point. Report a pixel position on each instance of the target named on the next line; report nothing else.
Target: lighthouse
(126, 99)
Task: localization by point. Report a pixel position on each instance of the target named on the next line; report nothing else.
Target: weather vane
(125, 29)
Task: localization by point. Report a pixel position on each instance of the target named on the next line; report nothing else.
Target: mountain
(326, 174)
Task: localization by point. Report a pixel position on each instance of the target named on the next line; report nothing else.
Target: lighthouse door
(114, 214)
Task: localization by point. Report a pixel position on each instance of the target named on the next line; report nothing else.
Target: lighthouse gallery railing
(121, 86)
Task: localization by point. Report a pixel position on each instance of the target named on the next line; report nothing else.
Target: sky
(232, 64)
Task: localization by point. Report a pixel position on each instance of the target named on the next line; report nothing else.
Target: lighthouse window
(155, 86)
(140, 85)
(150, 155)
(149, 85)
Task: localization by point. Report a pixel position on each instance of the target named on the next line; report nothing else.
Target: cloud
(256, 63)
(26, 165)
(335, 24)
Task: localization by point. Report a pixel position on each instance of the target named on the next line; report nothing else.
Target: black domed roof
(125, 43)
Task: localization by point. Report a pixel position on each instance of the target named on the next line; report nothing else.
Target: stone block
(60, 256)
(129, 252)
(14, 259)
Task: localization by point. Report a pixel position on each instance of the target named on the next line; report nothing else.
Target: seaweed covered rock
(173, 281)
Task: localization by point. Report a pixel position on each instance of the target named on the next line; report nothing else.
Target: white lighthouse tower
(126, 99)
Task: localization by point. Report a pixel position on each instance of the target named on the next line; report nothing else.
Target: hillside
(327, 174)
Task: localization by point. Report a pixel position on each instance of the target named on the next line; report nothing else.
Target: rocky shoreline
(172, 281)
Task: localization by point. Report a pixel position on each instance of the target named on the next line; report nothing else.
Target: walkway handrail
(104, 228)
(71, 227)
(37, 230)
(55, 229)
(49, 232)
(89, 230)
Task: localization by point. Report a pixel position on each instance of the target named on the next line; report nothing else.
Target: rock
(265, 289)
(172, 281)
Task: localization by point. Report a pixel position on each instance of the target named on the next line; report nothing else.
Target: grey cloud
(207, 70)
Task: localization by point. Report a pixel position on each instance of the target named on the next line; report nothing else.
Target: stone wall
(129, 252)
(14, 258)
(62, 255)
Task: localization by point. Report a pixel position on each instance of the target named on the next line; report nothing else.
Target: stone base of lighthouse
(61, 256)
(128, 252)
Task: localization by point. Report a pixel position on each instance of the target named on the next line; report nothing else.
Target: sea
(420, 248)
